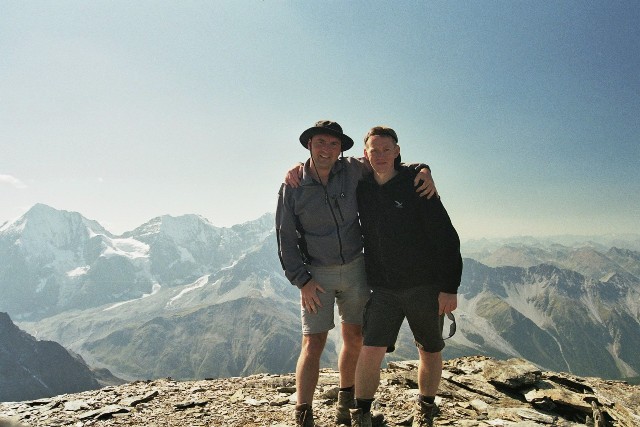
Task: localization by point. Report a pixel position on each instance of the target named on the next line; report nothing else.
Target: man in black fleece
(413, 265)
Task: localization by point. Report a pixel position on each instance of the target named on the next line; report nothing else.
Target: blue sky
(527, 111)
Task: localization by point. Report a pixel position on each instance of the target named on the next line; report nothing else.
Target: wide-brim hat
(328, 127)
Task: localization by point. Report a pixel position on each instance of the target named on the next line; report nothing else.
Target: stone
(512, 373)
(75, 405)
(559, 396)
(136, 400)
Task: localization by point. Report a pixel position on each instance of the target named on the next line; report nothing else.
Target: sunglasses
(452, 326)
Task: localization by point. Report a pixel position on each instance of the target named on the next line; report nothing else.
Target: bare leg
(308, 367)
(429, 372)
(351, 345)
(368, 371)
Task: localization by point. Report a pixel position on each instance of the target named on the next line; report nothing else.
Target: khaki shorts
(387, 309)
(344, 285)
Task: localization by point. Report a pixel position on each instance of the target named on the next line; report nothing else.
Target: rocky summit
(475, 391)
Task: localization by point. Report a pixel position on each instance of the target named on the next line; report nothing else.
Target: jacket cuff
(301, 284)
(450, 290)
(417, 167)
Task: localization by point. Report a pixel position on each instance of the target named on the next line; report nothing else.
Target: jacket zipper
(339, 210)
(335, 220)
(381, 202)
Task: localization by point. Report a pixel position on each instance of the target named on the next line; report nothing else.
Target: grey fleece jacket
(318, 229)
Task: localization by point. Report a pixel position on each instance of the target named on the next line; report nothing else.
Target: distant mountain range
(181, 297)
(54, 261)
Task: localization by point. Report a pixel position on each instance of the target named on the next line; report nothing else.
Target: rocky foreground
(475, 391)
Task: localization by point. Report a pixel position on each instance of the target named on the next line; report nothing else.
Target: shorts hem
(318, 332)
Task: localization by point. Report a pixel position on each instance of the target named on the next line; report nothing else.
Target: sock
(349, 389)
(427, 399)
(364, 404)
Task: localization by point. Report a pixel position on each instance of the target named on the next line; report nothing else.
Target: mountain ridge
(33, 369)
(546, 313)
(47, 270)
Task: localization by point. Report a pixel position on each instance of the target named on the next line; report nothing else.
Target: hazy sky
(528, 112)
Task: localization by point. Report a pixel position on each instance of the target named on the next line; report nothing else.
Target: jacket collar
(307, 176)
(402, 173)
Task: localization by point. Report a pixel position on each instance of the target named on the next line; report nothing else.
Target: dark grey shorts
(387, 309)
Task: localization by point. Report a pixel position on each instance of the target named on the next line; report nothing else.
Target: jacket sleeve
(287, 236)
(416, 167)
(360, 165)
(445, 242)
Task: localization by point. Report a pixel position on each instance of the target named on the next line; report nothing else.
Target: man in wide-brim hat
(320, 248)
(326, 127)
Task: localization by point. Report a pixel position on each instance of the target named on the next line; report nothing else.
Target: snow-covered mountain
(53, 261)
(162, 275)
(180, 297)
(585, 256)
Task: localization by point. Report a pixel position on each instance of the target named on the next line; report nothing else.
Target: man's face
(381, 150)
(325, 150)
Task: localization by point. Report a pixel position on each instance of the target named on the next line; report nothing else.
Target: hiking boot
(424, 413)
(304, 415)
(345, 402)
(377, 419)
(360, 419)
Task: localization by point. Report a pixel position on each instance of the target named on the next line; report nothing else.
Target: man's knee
(352, 336)
(372, 354)
(427, 357)
(313, 344)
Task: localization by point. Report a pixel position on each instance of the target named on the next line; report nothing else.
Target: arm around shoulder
(423, 180)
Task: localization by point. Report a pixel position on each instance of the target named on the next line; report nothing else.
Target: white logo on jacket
(398, 204)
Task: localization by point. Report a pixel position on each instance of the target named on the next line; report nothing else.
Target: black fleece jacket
(408, 240)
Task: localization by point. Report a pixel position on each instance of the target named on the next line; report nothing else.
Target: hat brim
(345, 141)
